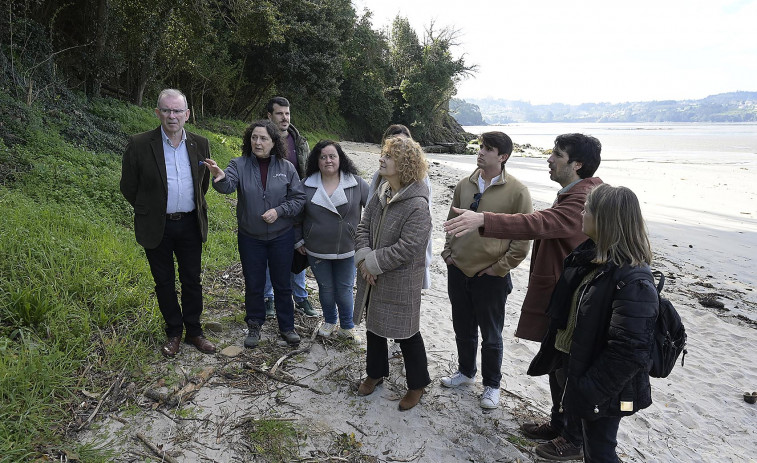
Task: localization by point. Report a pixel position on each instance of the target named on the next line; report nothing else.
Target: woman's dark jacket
(613, 337)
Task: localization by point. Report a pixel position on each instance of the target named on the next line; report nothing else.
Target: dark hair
(499, 140)
(279, 150)
(396, 129)
(582, 148)
(345, 164)
(279, 100)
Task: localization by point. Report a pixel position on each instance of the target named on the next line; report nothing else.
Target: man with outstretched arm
(556, 231)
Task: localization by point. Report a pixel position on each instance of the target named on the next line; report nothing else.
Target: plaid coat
(391, 239)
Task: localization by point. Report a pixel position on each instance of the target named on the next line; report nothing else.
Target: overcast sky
(547, 51)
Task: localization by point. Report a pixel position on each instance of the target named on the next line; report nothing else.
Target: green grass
(76, 292)
(274, 440)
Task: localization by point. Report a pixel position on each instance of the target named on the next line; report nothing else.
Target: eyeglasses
(171, 112)
(476, 200)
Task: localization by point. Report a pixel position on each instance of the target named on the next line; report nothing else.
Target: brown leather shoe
(411, 399)
(368, 386)
(201, 343)
(171, 347)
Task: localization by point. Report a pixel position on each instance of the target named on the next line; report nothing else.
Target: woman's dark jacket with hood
(613, 337)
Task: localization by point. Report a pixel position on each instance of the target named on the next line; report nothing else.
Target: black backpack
(669, 335)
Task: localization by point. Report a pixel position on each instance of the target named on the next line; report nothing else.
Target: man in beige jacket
(479, 268)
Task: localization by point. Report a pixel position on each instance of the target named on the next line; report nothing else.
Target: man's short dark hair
(499, 140)
(395, 129)
(581, 148)
(279, 100)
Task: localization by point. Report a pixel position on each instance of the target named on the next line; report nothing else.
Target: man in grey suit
(165, 179)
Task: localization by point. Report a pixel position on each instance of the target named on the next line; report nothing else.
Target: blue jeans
(335, 278)
(296, 281)
(276, 254)
(478, 303)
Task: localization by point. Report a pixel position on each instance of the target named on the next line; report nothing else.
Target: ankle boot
(411, 399)
(368, 386)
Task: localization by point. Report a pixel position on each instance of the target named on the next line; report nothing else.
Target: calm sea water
(716, 143)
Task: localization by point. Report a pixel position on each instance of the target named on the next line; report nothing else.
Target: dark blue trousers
(567, 425)
(478, 303)
(276, 254)
(600, 440)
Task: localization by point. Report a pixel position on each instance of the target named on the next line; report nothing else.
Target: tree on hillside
(425, 77)
(366, 73)
(229, 57)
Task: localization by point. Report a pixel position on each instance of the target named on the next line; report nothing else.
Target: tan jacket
(473, 253)
(391, 239)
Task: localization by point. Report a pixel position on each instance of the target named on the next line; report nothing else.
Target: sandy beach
(698, 414)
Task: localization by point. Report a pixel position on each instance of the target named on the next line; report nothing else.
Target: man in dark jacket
(164, 179)
(556, 231)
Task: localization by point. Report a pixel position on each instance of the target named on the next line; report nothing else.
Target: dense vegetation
(76, 77)
(724, 107)
(76, 303)
(230, 57)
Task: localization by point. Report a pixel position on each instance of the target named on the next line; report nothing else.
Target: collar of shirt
(482, 183)
(568, 187)
(167, 140)
(180, 194)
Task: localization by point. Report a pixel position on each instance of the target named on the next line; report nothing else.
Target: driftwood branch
(102, 400)
(357, 428)
(286, 356)
(184, 392)
(191, 387)
(157, 450)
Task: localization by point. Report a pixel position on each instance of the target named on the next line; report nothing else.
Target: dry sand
(698, 414)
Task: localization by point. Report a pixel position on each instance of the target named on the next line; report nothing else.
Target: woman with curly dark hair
(335, 197)
(269, 195)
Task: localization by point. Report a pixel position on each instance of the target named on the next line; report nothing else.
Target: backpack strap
(656, 274)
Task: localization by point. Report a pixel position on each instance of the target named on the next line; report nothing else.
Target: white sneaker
(457, 379)
(490, 398)
(347, 333)
(326, 330)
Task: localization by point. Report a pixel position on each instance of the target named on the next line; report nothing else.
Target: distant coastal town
(723, 107)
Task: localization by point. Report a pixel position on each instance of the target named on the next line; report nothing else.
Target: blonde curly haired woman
(390, 256)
